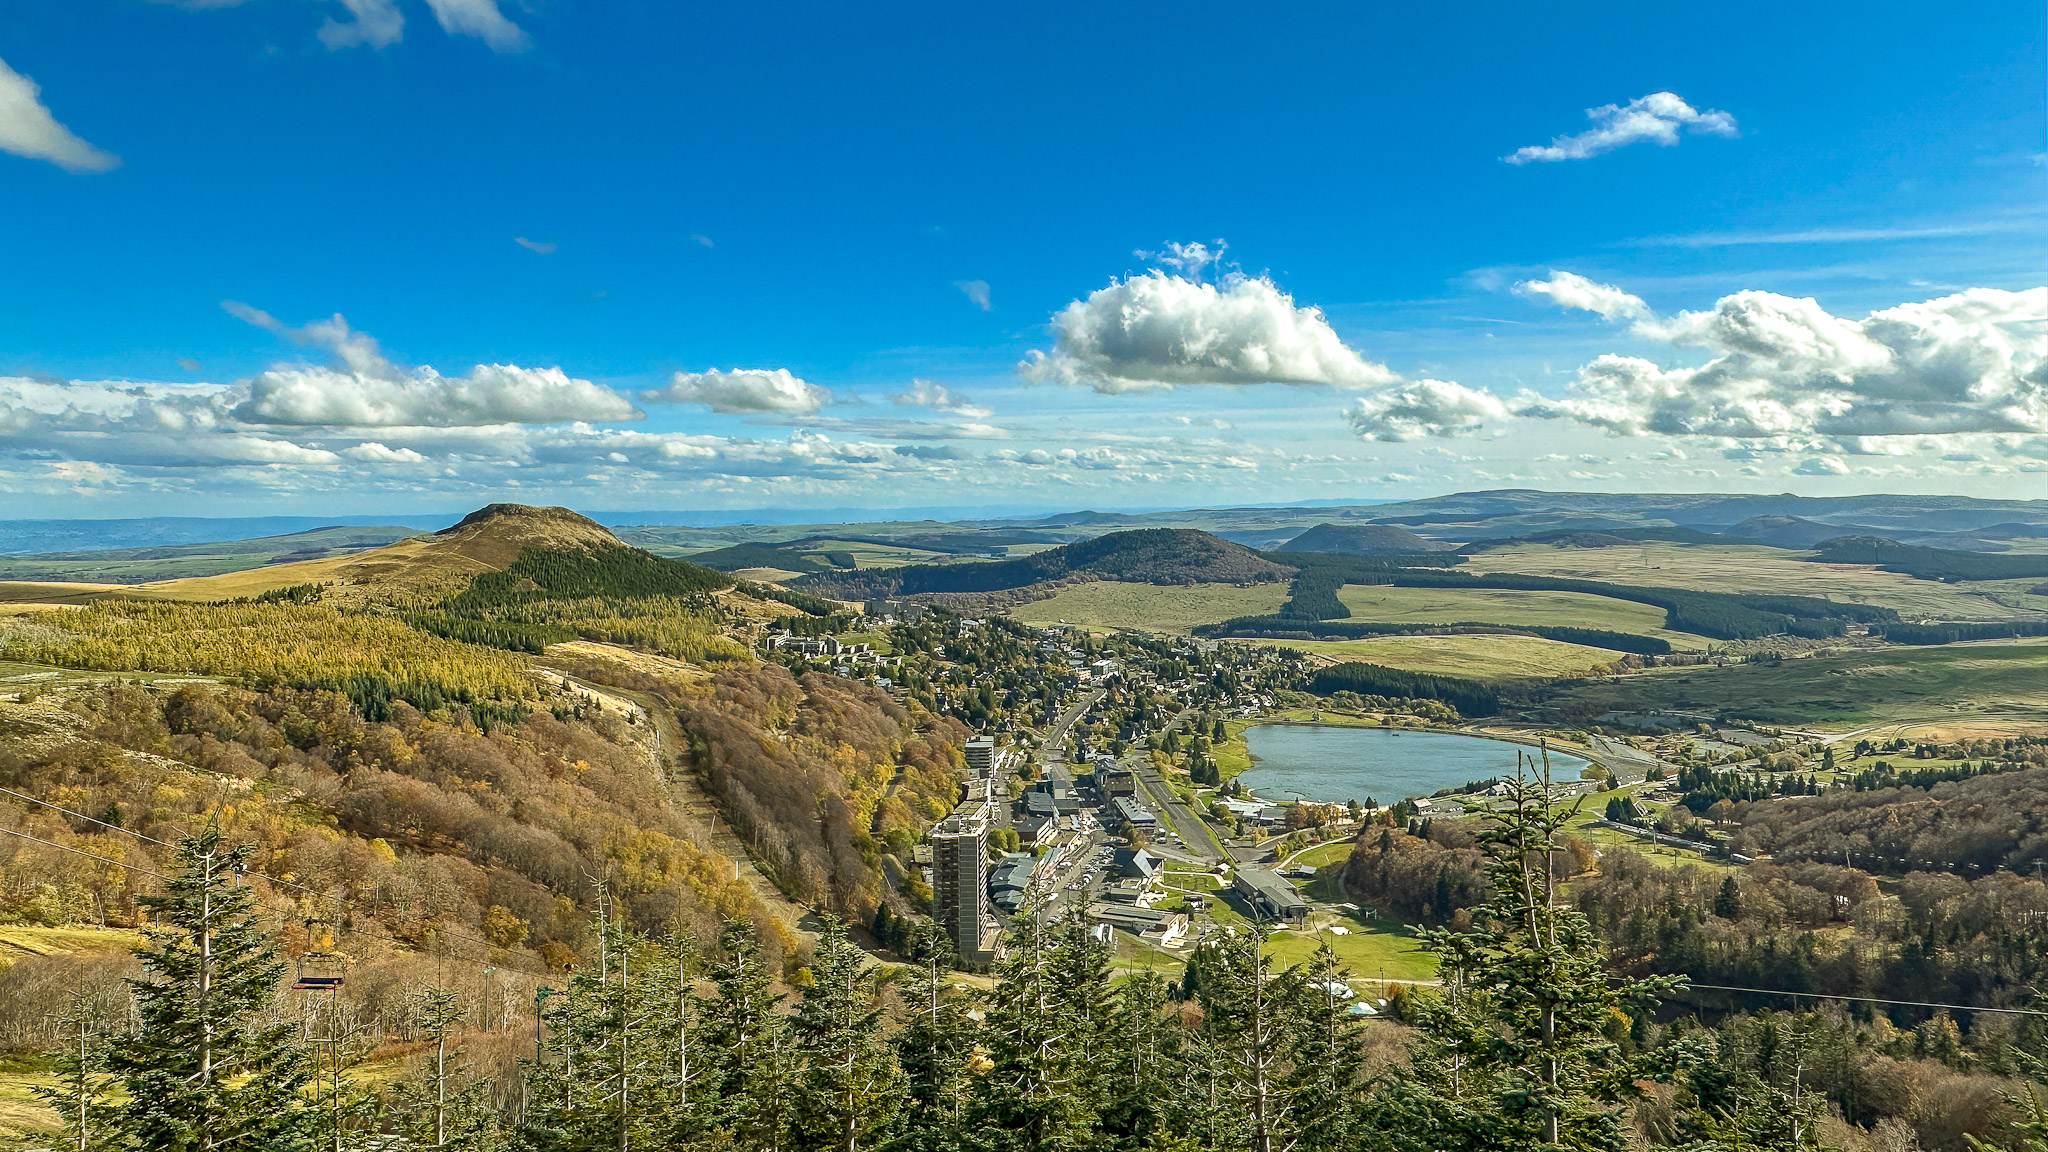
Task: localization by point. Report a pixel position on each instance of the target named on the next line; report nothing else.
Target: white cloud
(28, 129)
(701, 240)
(976, 292)
(1657, 119)
(488, 394)
(1571, 290)
(1424, 408)
(544, 247)
(481, 19)
(365, 390)
(1822, 466)
(926, 394)
(1976, 361)
(1158, 331)
(741, 390)
(373, 24)
(370, 451)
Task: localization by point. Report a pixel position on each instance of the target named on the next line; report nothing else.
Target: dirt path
(701, 810)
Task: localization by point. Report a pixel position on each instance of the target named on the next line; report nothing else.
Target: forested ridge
(1144, 556)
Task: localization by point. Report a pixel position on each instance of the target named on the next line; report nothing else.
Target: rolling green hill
(1146, 556)
(1360, 540)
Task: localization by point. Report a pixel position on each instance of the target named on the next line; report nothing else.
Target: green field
(1481, 657)
(1999, 680)
(1383, 604)
(1737, 568)
(1152, 607)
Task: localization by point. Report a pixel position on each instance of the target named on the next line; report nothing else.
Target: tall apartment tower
(960, 882)
(981, 758)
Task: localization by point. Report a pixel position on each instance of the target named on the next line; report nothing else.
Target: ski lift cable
(1869, 999)
(272, 879)
(83, 852)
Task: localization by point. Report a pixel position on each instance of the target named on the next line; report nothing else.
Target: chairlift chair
(321, 968)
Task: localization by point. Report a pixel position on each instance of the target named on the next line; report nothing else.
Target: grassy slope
(1506, 606)
(1734, 568)
(2003, 679)
(1155, 608)
(172, 562)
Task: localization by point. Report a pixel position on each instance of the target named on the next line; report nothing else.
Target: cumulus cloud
(976, 292)
(1424, 408)
(1972, 362)
(28, 129)
(926, 394)
(363, 389)
(1658, 118)
(1571, 290)
(1157, 331)
(1822, 466)
(371, 24)
(370, 451)
(742, 390)
(481, 19)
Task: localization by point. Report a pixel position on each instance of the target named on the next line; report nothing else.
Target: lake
(1334, 764)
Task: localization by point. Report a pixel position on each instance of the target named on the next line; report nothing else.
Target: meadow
(1999, 680)
(1386, 604)
(1490, 657)
(1107, 604)
(1754, 569)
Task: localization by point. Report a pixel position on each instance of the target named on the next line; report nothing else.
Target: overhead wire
(1869, 999)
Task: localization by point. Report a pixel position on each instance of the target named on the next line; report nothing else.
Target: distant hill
(1361, 540)
(1143, 556)
(1785, 531)
(1929, 563)
(742, 556)
(177, 561)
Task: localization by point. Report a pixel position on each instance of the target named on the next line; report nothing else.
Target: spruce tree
(848, 1091)
(749, 1078)
(1517, 1054)
(1325, 1082)
(443, 1106)
(79, 1096)
(938, 1051)
(201, 1072)
(1249, 1012)
(1029, 1101)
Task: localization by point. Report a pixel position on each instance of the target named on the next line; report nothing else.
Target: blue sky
(706, 253)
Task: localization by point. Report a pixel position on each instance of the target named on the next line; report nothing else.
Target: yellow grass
(1738, 568)
(1152, 607)
(1382, 604)
(1482, 657)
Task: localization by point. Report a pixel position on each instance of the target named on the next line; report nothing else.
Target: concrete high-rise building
(981, 758)
(960, 882)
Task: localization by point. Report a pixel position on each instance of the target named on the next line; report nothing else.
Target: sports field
(1153, 607)
(1390, 605)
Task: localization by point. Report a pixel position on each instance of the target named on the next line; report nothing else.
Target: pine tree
(849, 1090)
(1145, 1073)
(200, 1072)
(1728, 901)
